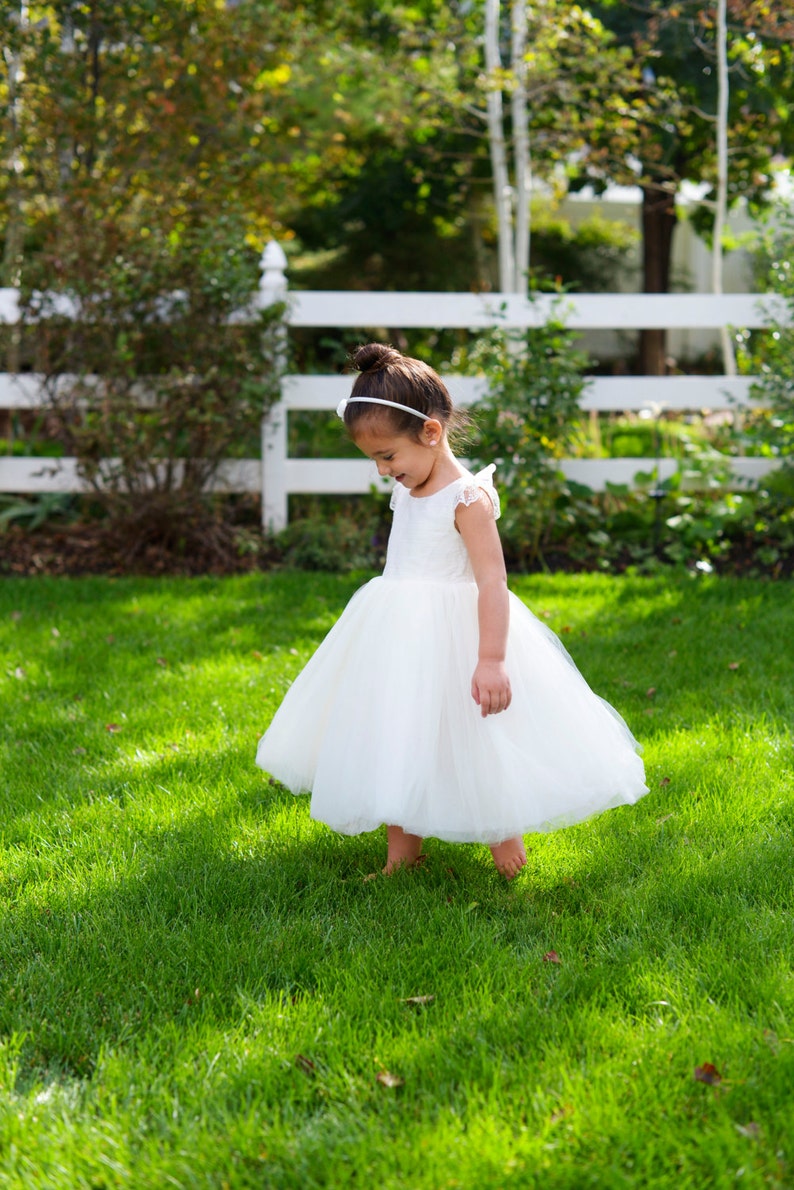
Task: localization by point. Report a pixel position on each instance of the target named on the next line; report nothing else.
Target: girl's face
(407, 460)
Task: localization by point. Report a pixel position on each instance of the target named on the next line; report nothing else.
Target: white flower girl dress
(381, 726)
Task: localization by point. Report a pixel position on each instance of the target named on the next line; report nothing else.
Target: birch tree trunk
(521, 153)
(502, 189)
(720, 211)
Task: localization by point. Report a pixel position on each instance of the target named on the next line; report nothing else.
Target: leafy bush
(529, 419)
(34, 511)
(350, 536)
(773, 359)
(152, 378)
(592, 257)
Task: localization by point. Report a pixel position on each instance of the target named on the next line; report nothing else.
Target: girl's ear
(432, 431)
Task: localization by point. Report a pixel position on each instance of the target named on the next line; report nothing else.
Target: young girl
(438, 704)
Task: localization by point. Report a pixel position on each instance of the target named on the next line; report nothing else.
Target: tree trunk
(658, 222)
(721, 207)
(521, 154)
(503, 194)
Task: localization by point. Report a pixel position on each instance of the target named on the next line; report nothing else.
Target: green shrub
(165, 381)
(529, 419)
(337, 536)
(773, 353)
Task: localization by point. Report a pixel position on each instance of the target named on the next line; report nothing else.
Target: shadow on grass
(212, 915)
(668, 653)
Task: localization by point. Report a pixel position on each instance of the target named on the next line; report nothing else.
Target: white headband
(343, 404)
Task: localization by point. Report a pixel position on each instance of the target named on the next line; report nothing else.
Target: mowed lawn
(200, 988)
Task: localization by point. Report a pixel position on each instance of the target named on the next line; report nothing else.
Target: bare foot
(509, 856)
(404, 850)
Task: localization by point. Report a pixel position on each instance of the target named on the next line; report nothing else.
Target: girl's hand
(490, 687)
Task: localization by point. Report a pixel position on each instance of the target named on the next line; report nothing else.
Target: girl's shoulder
(477, 486)
(466, 489)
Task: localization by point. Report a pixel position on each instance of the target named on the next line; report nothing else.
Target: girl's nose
(383, 467)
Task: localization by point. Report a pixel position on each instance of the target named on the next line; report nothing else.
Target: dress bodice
(424, 542)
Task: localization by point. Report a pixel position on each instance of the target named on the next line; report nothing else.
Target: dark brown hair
(388, 375)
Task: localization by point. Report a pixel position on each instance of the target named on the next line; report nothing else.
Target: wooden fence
(276, 475)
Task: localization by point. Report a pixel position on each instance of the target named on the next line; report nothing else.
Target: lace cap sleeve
(479, 487)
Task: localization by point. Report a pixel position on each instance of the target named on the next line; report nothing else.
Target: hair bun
(373, 357)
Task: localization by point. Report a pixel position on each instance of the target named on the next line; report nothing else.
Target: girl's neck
(446, 470)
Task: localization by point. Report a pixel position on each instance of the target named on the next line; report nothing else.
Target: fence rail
(277, 476)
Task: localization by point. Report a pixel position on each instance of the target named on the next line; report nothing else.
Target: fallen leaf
(734, 664)
(751, 1130)
(305, 1064)
(551, 957)
(673, 653)
(110, 640)
(255, 653)
(418, 1001)
(55, 632)
(708, 1073)
(676, 620)
(650, 692)
(112, 727)
(566, 628)
(665, 781)
(78, 751)
(16, 615)
(20, 673)
(664, 818)
(162, 661)
(387, 1079)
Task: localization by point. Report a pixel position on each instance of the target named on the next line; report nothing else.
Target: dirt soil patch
(79, 549)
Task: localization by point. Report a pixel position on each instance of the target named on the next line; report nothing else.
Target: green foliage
(33, 447)
(589, 257)
(34, 511)
(774, 352)
(693, 519)
(350, 538)
(529, 419)
(153, 379)
(671, 111)
(649, 438)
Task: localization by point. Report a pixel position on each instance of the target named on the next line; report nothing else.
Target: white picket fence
(277, 476)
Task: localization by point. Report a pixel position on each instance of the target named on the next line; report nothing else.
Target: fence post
(273, 288)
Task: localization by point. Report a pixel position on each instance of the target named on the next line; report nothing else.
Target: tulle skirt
(381, 726)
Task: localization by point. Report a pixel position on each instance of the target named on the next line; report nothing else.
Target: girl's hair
(389, 375)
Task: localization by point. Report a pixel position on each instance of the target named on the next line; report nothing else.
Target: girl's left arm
(490, 685)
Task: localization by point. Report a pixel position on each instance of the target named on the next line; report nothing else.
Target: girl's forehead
(373, 438)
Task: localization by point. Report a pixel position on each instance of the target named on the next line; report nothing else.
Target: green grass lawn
(198, 987)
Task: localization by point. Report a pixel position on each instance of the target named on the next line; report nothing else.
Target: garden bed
(90, 548)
